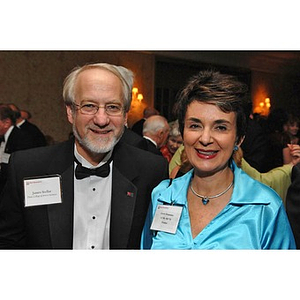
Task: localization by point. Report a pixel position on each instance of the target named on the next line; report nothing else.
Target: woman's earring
(236, 148)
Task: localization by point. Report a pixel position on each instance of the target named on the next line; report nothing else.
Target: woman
(292, 129)
(215, 205)
(174, 141)
(277, 150)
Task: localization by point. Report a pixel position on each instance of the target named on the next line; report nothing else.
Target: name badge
(42, 190)
(5, 158)
(166, 218)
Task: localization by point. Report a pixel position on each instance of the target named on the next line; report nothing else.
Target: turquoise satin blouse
(254, 218)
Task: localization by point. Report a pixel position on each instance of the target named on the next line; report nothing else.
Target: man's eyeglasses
(112, 109)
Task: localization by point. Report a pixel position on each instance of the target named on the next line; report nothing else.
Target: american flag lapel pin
(129, 194)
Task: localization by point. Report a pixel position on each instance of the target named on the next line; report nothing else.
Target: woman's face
(173, 143)
(293, 128)
(209, 137)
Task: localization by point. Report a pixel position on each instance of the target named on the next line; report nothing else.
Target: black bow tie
(82, 172)
(2, 139)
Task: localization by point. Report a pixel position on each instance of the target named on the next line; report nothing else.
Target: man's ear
(70, 114)
(160, 133)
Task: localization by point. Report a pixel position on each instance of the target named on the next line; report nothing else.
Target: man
(155, 131)
(12, 139)
(66, 209)
(32, 130)
(138, 126)
(25, 114)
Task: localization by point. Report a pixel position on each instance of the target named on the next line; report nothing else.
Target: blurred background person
(138, 126)
(292, 129)
(12, 140)
(155, 131)
(254, 145)
(36, 134)
(277, 140)
(174, 141)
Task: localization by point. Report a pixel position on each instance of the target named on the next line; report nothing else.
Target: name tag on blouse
(166, 218)
(42, 190)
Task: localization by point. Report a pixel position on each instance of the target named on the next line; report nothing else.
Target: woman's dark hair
(222, 90)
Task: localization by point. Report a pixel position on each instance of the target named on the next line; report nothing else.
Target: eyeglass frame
(80, 106)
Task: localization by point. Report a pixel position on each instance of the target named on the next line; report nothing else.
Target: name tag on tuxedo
(42, 190)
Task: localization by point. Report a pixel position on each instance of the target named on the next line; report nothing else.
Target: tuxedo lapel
(122, 210)
(61, 215)
(124, 194)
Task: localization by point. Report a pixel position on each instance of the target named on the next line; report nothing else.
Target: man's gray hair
(126, 77)
(154, 123)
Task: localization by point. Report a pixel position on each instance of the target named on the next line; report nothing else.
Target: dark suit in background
(37, 136)
(254, 145)
(151, 147)
(138, 127)
(133, 139)
(17, 140)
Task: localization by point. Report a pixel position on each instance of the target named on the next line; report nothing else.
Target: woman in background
(174, 141)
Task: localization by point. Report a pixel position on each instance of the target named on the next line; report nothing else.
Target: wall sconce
(264, 107)
(136, 96)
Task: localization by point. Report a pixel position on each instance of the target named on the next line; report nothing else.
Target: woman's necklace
(205, 199)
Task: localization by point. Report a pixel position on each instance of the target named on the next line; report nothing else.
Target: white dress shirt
(4, 157)
(92, 203)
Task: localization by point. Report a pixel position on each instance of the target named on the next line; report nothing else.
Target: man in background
(138, 126)
(12, 139)
(155, 131)
(32, 130)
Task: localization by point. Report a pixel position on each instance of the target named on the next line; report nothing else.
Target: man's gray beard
(96, 149)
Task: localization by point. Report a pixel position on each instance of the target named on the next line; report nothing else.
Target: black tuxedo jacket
(135, 173)
(293, 203)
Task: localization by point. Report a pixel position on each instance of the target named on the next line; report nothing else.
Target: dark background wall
(33, 79)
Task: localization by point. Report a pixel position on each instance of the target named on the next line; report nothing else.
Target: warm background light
(140, 97)
(135, 90)
(137, 106)
(263, 108)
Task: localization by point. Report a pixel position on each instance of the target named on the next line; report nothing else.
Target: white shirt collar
(21, 123)
(146, 137)
(8, 132)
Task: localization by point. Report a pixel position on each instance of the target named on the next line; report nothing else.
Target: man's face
(97, 134)
(4, 126)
